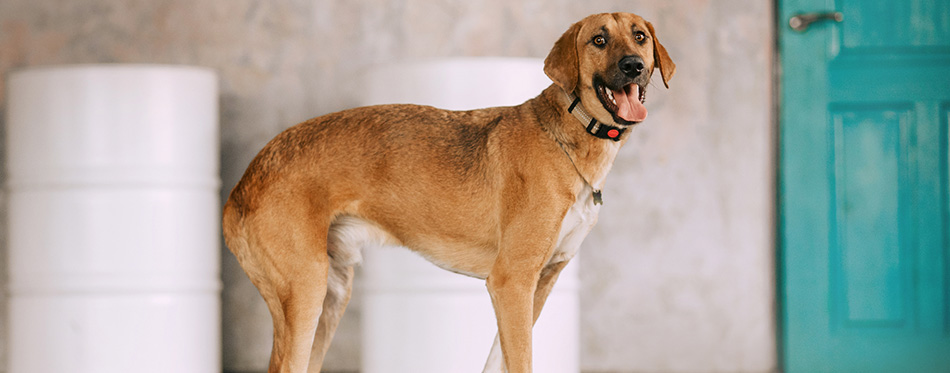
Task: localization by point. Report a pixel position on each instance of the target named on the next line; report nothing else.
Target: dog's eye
(639, 36)
(600, 40)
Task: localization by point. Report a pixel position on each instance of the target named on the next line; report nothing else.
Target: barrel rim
(112, 67)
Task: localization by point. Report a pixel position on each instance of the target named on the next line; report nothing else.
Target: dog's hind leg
(290, 266)
(339, 289)
(301, 302)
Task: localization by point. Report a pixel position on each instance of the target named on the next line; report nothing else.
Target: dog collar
(593, 127)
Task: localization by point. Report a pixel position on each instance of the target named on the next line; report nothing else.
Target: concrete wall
(679, 273)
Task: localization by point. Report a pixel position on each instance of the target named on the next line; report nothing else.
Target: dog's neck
(591, 156)
(597, 129)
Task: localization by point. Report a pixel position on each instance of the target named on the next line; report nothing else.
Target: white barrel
(112, 174)
(417, 317)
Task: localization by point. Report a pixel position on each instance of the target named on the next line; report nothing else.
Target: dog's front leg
(512, 284)
(512, 297)
(496, 362)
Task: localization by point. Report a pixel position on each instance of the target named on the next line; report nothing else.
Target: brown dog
(503, 194)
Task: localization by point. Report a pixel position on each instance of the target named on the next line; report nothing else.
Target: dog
(502, 194)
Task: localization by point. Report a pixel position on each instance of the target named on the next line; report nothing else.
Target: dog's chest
(577, 223)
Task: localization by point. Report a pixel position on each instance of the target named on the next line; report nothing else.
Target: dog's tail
(232, 223)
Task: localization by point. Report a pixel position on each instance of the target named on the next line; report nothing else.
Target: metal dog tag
(598, 198)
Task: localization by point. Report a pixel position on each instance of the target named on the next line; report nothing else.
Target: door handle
(800, 22)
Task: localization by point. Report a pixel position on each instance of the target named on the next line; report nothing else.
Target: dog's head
(607, 61)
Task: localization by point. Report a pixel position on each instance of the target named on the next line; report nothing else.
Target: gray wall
(679, 273)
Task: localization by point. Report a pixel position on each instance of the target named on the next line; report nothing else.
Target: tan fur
(482, 192)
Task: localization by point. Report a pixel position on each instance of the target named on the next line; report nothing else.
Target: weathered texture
(679, 273)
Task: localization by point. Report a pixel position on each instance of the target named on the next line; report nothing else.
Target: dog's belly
(577, 223)
(349, 235)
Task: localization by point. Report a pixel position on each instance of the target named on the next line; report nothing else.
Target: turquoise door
(863, 189)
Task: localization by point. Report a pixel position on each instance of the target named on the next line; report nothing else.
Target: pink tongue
(628, 104)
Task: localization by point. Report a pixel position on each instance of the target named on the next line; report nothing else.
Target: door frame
(802, 218)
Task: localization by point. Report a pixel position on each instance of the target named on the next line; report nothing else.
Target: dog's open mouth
(625, 104)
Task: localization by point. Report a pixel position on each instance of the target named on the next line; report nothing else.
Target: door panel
(872, 280)
(888, 24)
(864, 203)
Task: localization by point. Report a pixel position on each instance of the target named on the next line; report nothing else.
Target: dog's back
(424, 175)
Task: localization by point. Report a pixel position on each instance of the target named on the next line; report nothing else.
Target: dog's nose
(631, 65)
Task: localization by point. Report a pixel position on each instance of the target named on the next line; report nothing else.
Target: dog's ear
(662, 59)
(562, 64)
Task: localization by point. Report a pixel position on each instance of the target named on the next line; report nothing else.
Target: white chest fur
(577, 223)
